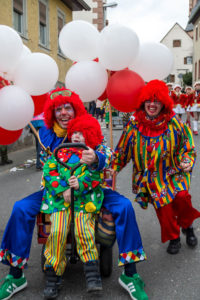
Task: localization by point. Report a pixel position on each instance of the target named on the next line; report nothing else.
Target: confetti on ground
(27, 164)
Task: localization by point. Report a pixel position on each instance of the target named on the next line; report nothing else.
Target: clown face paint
(153, 108)
(63, 114)
(77, 137)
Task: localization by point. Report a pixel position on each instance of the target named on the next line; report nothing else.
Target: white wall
(86, 15)
(186, 49)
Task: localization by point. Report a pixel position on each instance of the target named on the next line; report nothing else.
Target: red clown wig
(155, 90)
(58, 97)
(90, 129)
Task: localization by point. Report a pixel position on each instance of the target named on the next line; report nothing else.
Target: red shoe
(195, 132)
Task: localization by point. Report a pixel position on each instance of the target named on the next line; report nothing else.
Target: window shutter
(185, 60)
(42, 9)
(199, 71)
(60, 24)
(18, 6)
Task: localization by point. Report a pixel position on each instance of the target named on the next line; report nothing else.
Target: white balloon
(16, 108)
(118, 47)
(26, 51)
(155, 61)
(36, 73)
(9, 75)
(10, 47)
(88, 79)
(78, 40)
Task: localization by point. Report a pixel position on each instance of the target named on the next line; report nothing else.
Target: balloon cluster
(116, 48)
(32, 76)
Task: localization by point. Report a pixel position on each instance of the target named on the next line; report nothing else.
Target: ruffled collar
(152, 127)
(59, 131)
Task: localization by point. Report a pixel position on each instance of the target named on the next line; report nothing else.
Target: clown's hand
(67, 196)
(113, 172)
(73, 182)
(89, 157)
(186, 167)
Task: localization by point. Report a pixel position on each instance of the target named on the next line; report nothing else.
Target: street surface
(167, 277)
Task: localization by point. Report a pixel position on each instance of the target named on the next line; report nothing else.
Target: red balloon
(123, 90)
(103, 96)
(3, 82)
(39, 102)
(9, 136)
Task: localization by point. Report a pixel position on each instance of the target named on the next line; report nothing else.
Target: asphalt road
(167, 277)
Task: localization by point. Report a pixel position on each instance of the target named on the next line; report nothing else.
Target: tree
(187, 78)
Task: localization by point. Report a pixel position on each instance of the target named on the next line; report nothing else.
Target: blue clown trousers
(19, 230)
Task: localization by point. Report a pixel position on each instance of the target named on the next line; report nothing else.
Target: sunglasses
(64, 93)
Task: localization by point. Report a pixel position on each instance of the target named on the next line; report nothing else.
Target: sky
(150, 19)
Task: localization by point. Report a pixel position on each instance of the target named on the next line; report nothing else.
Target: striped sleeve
(124, 149)
(105, 156)
(187, 152)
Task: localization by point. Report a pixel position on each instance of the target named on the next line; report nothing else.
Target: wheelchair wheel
(106, 261)
(43, 259)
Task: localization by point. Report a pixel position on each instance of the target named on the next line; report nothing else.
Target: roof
(195, 13)
(173, 28)
(189, 27)
(76, 5)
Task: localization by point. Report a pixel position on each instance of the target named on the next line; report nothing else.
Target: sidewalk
(19, 157)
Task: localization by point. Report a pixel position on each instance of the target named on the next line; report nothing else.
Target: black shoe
(53, 284)
(93, 278)
(6, 162)
(174, 246)
(39, 168)
(191, 238)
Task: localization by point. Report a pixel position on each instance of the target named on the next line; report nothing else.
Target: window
(188, 60)
(61, 23)
(196, 33)
(171, 78)
(43, 23)
(19, 16)
(176, 43)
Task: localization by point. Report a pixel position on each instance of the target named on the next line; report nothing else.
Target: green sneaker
(11, 286)
(134, 286)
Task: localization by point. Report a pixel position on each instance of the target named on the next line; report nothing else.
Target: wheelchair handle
(68, 146)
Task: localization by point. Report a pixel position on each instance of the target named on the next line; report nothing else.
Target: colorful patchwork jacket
(157, 175)
(89, 196)
(50, 139)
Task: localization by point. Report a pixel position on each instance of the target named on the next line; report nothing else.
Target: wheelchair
(104, 227)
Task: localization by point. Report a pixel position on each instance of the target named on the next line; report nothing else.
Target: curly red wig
(58, 97)
(89, 127)
(155, 89)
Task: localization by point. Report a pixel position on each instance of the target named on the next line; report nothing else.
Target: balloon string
(47, 150)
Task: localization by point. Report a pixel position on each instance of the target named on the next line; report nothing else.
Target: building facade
(95, 16)
(181, 45)
(195, 20)
(39, 23)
